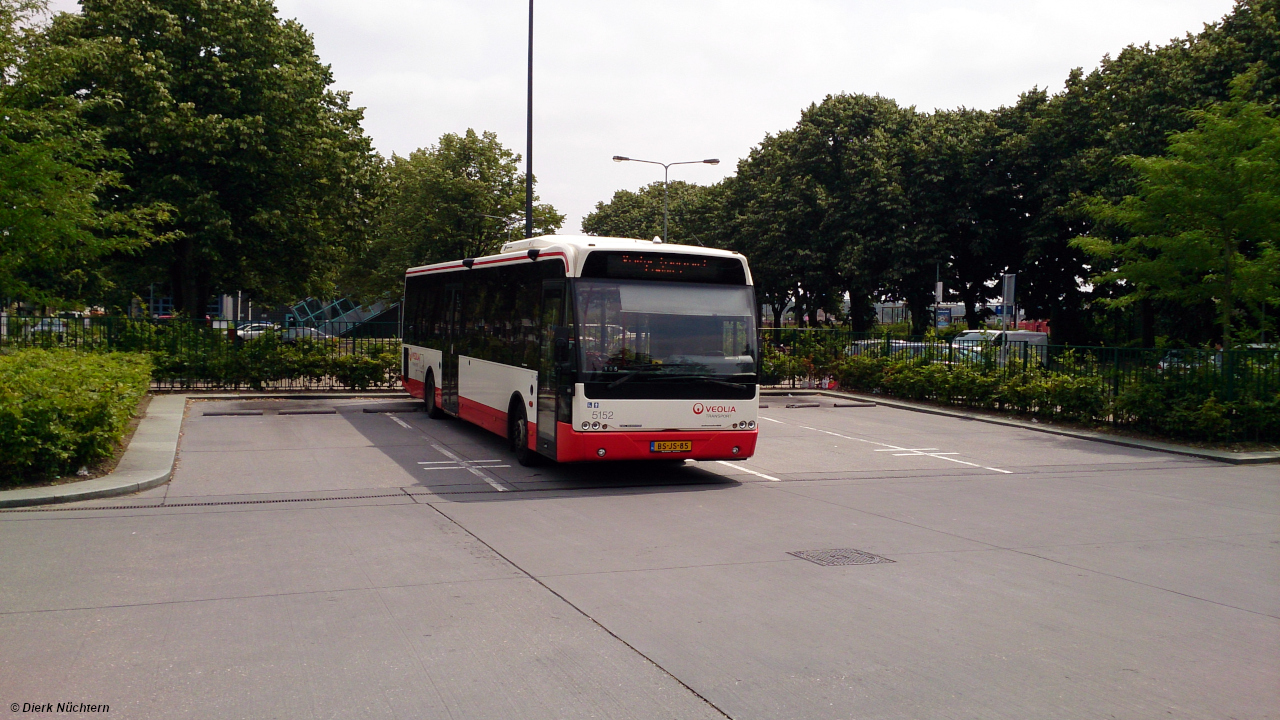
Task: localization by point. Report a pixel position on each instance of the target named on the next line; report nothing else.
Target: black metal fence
(809, 356)
(1178, 393)
(211, 354)
(1174, 392)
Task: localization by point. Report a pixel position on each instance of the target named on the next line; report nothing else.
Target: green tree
(853, 148)
(55, 173)
(461, 198)
(1204, 224)
(639, 214)
(226, 116)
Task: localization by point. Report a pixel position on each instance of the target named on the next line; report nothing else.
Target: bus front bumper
(575, 446)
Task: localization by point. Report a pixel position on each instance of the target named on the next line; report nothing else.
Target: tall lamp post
(528, 155)
(666, 168)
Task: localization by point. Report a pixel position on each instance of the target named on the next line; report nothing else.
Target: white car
(1010, 342)
(249, 331)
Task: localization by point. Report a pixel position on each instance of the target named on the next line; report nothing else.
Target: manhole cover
(839, 556)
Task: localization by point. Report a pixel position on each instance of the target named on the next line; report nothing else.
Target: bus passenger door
(449, 359)
(553, 348)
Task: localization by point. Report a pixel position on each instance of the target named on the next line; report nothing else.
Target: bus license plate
(670, 446)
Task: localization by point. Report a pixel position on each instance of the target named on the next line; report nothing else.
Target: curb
(1251, 458)
(147, 462)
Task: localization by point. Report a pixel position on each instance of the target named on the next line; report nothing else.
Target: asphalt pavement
(351, 562)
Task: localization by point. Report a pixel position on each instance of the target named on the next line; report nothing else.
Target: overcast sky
(674, 80)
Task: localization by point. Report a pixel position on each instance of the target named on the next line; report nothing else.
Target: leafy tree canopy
(55, 173)
(1204, 224)
(462, 197)
(639, 214)
(226, 116)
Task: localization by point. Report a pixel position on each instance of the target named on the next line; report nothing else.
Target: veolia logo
(699, 408)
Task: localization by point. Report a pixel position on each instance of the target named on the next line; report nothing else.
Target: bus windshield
(667, 331)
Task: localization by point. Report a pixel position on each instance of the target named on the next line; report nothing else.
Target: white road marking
(748, 470)
(772, 420)
(461, 464)
(460, 467)
(472, 469)
(914, 452)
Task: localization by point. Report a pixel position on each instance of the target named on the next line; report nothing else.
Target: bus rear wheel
(429, 398)
(518, 435)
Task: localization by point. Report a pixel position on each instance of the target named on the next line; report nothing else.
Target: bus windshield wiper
(623, 379)
(711, 380)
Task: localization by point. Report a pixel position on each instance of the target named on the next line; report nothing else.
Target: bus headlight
(595, 425)
(751, 424)
(586, 425)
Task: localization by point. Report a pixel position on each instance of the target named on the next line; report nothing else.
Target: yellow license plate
(670, 446)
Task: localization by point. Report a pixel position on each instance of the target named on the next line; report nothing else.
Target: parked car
(50, 325)
(911, 349)
(1188, 360)
(1004, 337)
(249, 331)
(294, 334)
(1011, 343)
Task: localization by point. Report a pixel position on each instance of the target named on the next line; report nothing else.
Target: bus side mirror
(562, 350)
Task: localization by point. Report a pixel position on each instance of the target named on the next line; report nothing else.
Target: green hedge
(1169, 405)
(63, 409)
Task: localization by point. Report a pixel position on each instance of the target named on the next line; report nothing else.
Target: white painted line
(450, 467)
(908, 452)
(434, 462)
(772, 420)
(473, 470)
(748, 470)
(400, 422)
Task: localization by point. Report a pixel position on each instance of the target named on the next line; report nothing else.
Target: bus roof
(573, 249)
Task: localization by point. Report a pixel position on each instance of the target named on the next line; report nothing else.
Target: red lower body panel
(416, 388)
(573, 446)
(495, 421)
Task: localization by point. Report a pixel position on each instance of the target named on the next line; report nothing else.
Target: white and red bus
(589, 348)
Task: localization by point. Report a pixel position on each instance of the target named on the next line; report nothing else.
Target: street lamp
(666, 167)
(528, 148)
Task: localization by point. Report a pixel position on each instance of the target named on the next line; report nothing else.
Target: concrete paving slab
(1214, 569)
(714, 525)
(495, 649)
(228, 472)
(975, 634)
(170, 556)
(1012, 512)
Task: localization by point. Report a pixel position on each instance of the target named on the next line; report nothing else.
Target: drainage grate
(840, 556)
